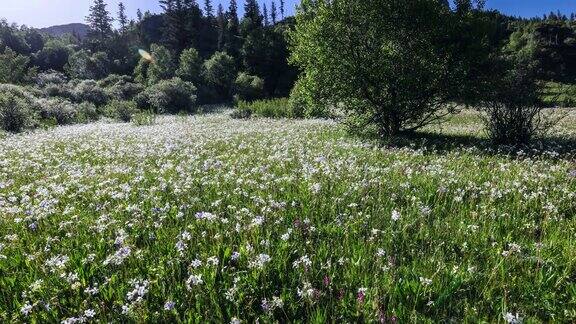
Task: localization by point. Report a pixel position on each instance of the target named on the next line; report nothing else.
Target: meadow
(210, 219)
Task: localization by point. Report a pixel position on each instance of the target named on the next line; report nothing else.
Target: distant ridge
(81, 30)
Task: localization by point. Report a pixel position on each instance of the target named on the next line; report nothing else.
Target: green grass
(112, 219)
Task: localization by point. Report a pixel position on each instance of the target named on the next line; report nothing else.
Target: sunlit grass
(212, 219)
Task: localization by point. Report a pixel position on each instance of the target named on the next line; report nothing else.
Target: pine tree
(181, 23)
(273, 13)
(232, 38)
(265, 13)
(208, 9)
(139, 15)
(252, 12)
(221, 22)
(100, 21)
(122, 19)
(282, 8)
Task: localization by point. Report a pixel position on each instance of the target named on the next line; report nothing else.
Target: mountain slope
(74, 29)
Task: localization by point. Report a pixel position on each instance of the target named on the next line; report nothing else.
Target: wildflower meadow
(211, 219)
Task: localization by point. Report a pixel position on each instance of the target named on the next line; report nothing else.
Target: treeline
(255, 43)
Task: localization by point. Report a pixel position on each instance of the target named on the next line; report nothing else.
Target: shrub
(53, 56)
(88, 90)
(248, 87)
(50, 77)
(302, 104)
(62, 111)
(120, 110)
(272, 108)
(85, 65)
(87, 112)
(560, 95)
(14, 68)
(59, 90)
(190, 67)
(162, 67)
(219, 73)
(144, 118)
(15, 113)
(114, 79)
(514, 113)
(169, 96)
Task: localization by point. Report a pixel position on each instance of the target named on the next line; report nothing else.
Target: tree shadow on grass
(435, 143)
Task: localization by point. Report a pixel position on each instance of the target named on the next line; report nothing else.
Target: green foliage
(144, 118)
(559, 95)
(248, 87)
(303, 104)
(14, 68)
(370, 58)
(84, 65)
(190, 68)
(121, 110)
(267, 108)
(121, 87)
(90, 91)
(17, 109)
(169, 96)
(54, 56)
(162, 65)
(220, 73)
(60, 110)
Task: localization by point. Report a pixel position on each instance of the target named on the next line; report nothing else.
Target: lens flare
(145, 55)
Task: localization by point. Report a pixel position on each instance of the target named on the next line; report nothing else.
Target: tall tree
(265, 13)
(252, 12)
(232, 42)
(273, 13)
(282, 8)
(208, 8)
(139, 15)
(221, 23)
(180, 30)
(122, 18)
(99, 21)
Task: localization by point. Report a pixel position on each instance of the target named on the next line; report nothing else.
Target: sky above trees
(43, 13)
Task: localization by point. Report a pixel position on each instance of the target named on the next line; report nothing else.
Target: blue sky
(42, 13)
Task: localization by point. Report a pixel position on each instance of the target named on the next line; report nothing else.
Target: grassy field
(210, 219)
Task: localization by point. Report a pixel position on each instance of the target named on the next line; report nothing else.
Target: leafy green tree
(162, 66)
(190, 68)
(248, 87)
(219, 72)
(372, 60)
(14, 68)
(85, 65)
(53, 56)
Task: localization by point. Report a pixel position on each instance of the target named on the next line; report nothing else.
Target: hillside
(75, 28)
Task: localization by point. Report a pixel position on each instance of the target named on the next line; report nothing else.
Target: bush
(219, 73)
(272, 108)
(87, 66)
(87, 112)
(169, 96)
(302, 104)
(14, 68)
(88, 90)
(59, 90)
(559, 95)
(120, 110)
(144, 118)
(248, 87)
(114, 79)
(62, 111)
(51, 77)
(162, 68)
(190, 66)
(513, 108)
(15, 113)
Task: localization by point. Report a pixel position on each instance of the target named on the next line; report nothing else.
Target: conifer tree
(274, 13)
(122, 19)
(100, 21)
